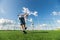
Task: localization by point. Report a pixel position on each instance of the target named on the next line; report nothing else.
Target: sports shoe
(25, 32)
(25, 28)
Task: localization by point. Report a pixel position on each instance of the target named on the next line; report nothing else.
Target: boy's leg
(24, 29)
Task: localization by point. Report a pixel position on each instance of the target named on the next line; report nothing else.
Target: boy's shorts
(22, 23)
(22, 20)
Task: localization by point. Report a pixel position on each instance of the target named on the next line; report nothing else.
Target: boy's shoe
(25, 32)
(25, 28)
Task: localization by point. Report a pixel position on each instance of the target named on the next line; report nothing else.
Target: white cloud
(6, 21)
(30, 20)
(58, 21)
(55, 13)
(8, 24)
(43, 25)
(39, 27)
(26, 10)
(35, 13)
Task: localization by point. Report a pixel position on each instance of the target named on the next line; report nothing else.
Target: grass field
(31, 35)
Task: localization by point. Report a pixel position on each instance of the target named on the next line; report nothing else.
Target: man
(22, 18)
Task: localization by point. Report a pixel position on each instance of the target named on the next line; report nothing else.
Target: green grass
(31, 35)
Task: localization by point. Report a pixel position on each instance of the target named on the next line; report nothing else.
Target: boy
(22, 19)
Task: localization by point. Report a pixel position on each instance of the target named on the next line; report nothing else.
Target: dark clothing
(22, 20)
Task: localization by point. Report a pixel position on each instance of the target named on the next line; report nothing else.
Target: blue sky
(9, 9)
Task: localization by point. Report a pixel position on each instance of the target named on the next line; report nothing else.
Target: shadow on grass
(40, 32)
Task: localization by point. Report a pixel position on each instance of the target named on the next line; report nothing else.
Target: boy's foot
(25, 28)
(25, 32)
